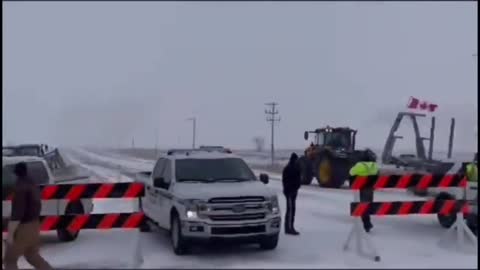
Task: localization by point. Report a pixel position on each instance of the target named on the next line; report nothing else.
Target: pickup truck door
(149, 204)
(163, 196)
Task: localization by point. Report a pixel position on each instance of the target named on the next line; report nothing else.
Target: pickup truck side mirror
(159, 182)
(264, 178)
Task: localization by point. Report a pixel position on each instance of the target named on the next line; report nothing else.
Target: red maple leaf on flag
(432, 107)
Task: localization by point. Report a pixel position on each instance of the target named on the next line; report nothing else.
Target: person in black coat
(291, 185)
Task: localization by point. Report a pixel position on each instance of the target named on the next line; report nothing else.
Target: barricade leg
(461, 229)
(349, 239)
(360, 234)
(137, 253)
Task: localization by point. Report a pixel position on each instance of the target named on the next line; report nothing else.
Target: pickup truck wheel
(64, 234)
(145, 227)
(269, 242)
(446, 221)
(179, 244)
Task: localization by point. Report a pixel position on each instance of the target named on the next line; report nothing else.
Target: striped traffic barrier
(421, 181)
(75, 223)
(100, 221)
(396, 208)
(75, 192)
(443, 207)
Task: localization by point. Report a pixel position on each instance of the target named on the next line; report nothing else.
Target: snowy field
(263, 159)
(322, 219)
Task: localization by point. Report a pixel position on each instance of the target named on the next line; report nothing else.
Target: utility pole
(194, 120)
(156, 142)
(272, 119)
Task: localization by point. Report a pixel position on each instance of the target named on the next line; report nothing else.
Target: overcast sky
(77, 73)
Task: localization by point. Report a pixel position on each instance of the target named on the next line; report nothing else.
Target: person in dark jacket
(24, 224)
(291, 184)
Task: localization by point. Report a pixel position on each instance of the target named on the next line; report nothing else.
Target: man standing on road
(24, 224)
(367, 166)
(291, 185)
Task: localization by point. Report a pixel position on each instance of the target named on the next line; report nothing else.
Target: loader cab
(336, 138)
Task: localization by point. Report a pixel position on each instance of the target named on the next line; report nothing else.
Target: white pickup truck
(204, 194)
(41, 174)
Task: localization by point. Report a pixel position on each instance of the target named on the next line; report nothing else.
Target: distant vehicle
(201, 195)
(52, 157)
(215, 148)
(421, 160)
(35, 150)
(469, 194)
(41, 174)
(330, 156)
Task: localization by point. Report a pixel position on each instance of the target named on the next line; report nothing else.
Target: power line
(271, 117)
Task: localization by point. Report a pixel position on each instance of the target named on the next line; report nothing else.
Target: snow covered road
(322, 218)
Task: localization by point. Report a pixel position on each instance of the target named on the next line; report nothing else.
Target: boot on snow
(368, 227)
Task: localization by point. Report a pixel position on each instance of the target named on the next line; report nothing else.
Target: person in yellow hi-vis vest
(472, 176)
(367, 166)
(472, 170)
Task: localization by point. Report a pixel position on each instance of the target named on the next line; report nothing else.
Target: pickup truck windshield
(213, 170)
(21, 151)
(8, 152)
(28, 151)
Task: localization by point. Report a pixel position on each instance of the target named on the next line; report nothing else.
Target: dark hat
(369, 155)
(293, 157)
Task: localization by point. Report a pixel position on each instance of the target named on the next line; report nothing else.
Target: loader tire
(446, 221)
(64, 234)
(306, 173)
(145, 226)
(331, 172)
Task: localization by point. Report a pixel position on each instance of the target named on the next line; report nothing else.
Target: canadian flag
(423, 105)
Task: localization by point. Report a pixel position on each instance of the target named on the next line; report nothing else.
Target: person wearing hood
(291, 185)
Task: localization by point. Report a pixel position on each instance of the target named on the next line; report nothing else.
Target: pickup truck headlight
(194, 208)
(272, 205)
